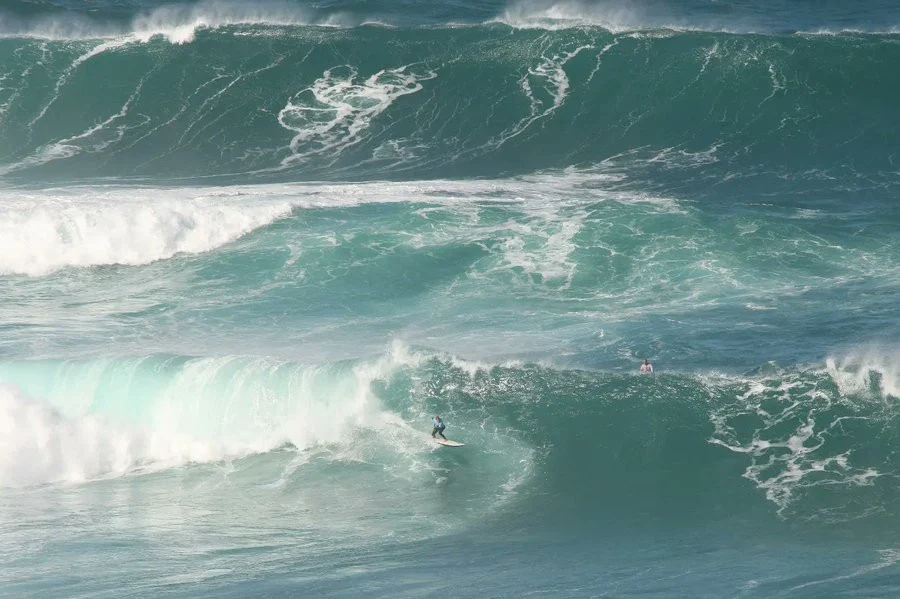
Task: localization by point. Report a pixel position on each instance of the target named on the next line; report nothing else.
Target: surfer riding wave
(439, 427)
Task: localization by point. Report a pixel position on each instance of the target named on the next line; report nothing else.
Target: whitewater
(249, 249)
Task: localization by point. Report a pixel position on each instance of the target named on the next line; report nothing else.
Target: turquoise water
(247, 251)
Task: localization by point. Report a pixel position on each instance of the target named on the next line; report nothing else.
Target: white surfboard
(449, 443)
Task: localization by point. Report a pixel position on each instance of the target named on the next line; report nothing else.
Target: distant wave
(179, 22)
(430, 103)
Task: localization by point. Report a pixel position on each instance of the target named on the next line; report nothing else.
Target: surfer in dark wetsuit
(439, 427)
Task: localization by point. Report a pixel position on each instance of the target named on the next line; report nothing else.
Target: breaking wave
(803, 442)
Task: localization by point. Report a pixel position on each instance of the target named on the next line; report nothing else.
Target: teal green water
(263, 102)
(249, 250)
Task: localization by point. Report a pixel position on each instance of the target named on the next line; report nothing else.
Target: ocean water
(249, 249)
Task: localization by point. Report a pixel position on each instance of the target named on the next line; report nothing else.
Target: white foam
(209, 410)
(542, 244)
(528, 14)
(759, 307)
(38, 444)
(80, 226)
(833, 32)
(866, 368)
(42, 233)
(253, 414)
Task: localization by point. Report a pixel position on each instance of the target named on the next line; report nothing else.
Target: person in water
(439, 427)
(646, 367)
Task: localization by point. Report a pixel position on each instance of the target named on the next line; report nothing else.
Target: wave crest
(40, 444)
(178, 23)
(79, 420)
(42, 234)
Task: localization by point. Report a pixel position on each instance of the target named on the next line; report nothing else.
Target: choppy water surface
(248, 250)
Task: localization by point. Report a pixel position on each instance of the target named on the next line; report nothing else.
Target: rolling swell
(808, 446)
(287, 102)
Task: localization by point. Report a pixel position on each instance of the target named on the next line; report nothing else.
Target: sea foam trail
(336, 110)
